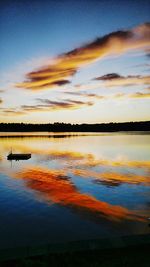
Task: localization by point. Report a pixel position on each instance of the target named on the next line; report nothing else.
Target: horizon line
(73, 122)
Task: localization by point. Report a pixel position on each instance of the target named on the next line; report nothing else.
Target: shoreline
(83, 246)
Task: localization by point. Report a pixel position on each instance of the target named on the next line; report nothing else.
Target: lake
(74, 187)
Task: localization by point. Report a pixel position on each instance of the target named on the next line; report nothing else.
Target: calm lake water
(74, 187)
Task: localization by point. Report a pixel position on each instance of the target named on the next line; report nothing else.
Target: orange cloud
(55, 186)
(67, 64)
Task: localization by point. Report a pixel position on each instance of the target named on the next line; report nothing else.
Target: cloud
(49, 105)
(53, 84)
(115, 80)
(46, 105)
(129, 96)
(66, 65)
(143, 65)
(119, 95)
(87, 86)
(140, 95)
(109, 76)
(65, 104)
(84, 94)
(1, 101)
(12, 112)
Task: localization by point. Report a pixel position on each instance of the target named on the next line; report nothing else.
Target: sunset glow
(89, 67)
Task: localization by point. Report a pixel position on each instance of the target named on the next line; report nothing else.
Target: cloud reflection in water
(62, 161)
(58, 188)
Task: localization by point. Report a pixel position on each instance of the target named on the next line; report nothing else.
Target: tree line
(68, 127)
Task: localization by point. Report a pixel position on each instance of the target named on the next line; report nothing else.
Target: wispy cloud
(143, 65)
(67, 64)
(119, 95)
(53, 84)
(45, 106)
(65, 104)
(109, 76)
(115, 80)
(130, 96)
(140, 95)
(12, 112)
(85, 94)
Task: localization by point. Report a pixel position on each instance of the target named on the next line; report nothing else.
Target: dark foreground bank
(130, 251)
(138, 256)
(67, 127)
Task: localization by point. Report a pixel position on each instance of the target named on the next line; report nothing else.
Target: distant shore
(67, 127)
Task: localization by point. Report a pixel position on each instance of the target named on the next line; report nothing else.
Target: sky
(74, 61)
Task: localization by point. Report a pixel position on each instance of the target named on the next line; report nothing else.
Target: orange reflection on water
(113, 177)
(34, 149)
(57, 187)
(92, 162)
(87, 160)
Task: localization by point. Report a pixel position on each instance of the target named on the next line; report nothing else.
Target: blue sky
(34, 33)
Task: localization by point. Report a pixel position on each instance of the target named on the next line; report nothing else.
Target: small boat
(18, 156)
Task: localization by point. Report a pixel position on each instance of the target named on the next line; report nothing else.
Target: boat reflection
(19, 156)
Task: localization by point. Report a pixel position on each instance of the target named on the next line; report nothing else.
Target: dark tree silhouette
(67, 127)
